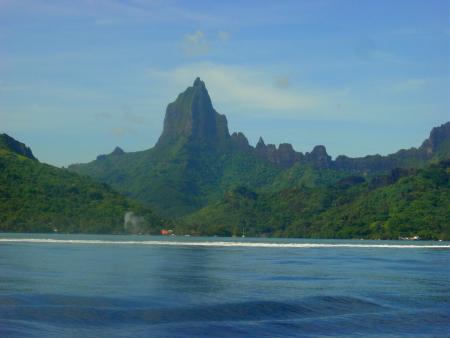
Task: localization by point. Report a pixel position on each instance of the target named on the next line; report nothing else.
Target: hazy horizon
(361, 78)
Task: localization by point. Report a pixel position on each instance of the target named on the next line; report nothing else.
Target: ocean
(54, 285)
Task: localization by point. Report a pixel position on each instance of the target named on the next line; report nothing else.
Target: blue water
(132, 286)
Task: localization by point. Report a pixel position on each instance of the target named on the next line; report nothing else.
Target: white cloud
(240, 87)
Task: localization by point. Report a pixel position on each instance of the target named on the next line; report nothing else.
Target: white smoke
(133, 223)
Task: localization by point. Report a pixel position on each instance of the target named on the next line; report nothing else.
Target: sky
(78, 78)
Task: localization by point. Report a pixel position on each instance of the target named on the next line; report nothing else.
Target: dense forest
(36, 197)
(403, 203)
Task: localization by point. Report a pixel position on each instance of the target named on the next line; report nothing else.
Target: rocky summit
(192, 118)
(9, 143)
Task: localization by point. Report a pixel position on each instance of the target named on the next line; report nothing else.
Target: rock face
(319, 157)
(191, 117)
(439, 140)
(284, 156)
(287, 156)
(13, 145)
(240, 142)
(261, 149)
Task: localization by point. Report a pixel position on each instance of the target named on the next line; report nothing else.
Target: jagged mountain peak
(319, 150)
(319, 157)
(240, 142)
(192, 117)
(199, 83)
(118, 151)
(260, 142)
(15, 146)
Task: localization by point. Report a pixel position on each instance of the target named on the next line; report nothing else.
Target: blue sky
(79, 77)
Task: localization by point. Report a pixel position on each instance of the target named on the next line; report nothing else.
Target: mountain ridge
(196, 160)
(191, 118)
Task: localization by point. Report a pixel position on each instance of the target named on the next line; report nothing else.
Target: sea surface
(144, 286)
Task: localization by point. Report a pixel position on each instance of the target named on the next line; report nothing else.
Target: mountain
(37, 197)
(196, 160)
(193, 163)
(191, 118)
(403, 203)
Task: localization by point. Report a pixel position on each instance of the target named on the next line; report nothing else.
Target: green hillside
(177, 181)
(403, 203)
(36, 197)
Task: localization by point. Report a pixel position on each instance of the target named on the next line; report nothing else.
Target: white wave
(224, 244)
